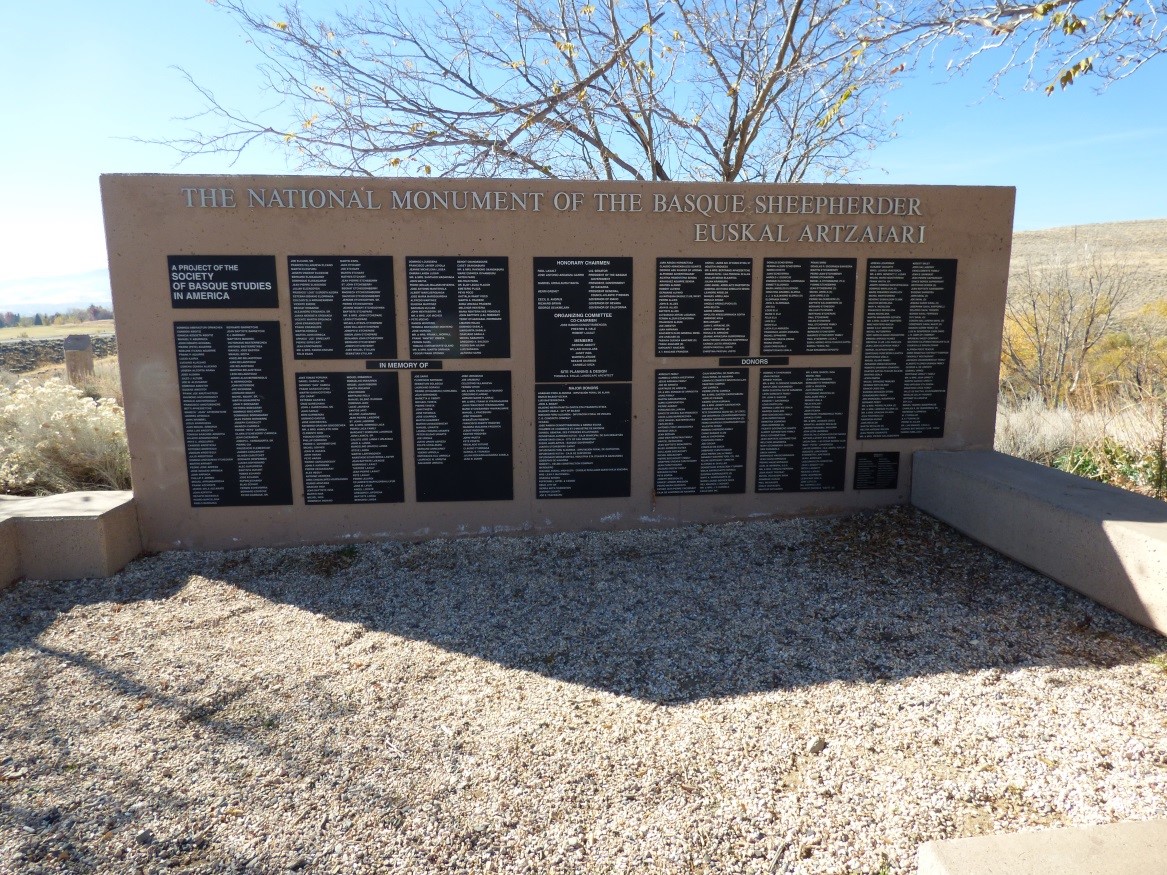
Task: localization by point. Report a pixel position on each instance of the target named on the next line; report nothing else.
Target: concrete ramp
(1104, 542)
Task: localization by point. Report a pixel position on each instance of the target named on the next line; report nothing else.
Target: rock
(145, 837)
(816, 746)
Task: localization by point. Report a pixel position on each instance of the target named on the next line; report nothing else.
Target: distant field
(1141, 245)
(48, 332)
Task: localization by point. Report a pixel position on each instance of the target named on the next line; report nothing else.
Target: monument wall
(314, 359)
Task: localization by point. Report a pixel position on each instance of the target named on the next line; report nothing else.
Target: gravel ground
(796, 696)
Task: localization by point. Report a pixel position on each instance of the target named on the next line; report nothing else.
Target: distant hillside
(1141, 245)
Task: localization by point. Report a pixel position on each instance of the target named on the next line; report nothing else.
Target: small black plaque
(802, 429)
(583, 319)
(808, 306)
(459, 307)
(583, 440)
(342, 306)
(877, 470)
(700, 431)
(209, 281)
(462, 436)
(907, 341)
(234, 420)
(703, 306)
(350, 438)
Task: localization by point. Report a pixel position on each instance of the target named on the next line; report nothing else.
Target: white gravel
(797, 696)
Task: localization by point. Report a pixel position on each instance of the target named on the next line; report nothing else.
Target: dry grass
(1033, 431)
(106, 381)
(48, 332)
(1141, 245)
(1123, 446)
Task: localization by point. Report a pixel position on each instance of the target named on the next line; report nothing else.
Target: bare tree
(1054, 42)
(1056, 316)
(757, 90)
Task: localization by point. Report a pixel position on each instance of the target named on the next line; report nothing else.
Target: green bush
(1111, 462)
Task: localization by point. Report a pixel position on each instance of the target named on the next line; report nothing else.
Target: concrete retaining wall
(9, 552)
(69, 536)
(1104, 542)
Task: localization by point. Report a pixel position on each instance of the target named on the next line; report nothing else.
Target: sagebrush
(55, 438)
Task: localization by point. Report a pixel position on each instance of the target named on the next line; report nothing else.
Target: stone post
(78, 358)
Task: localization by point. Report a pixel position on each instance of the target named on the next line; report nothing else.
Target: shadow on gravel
(25, 613)
(767, 605)
(668, 616)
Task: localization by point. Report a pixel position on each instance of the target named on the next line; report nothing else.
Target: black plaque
(583, 319)
(234, 420)
(703, 306)
(342, 307)
(907, 341)
(222, 281)
(877, 470)
(808, 306)
(701, 431)
(350, 438)
(459, 307)
(583, 440)
(802, 429)
(462, 435)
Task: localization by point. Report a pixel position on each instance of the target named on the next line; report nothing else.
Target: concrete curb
(1138, 848)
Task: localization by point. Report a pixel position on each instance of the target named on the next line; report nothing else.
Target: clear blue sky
(83, 78)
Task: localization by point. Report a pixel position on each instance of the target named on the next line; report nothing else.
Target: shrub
(1110, 462)
(53, 438)
(1126, 446)
(104, 382)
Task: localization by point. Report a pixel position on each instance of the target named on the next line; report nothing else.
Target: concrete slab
(1104, 542)
(1115, 849)
(75, 534)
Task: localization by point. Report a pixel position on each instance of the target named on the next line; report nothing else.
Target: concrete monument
(317, 359)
